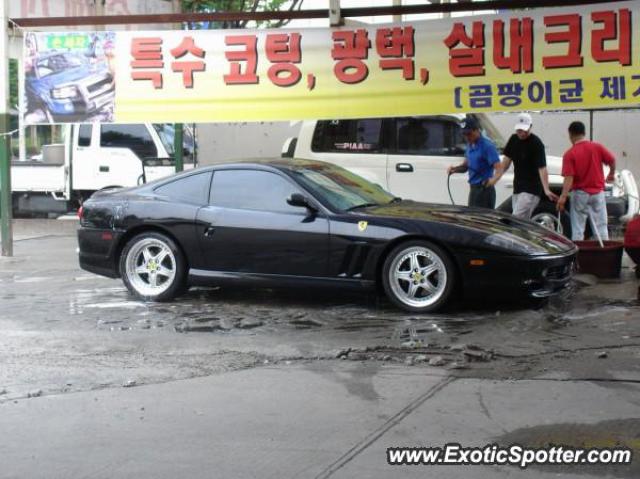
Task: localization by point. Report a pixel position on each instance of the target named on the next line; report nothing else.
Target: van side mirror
(298, 199)
(289, 148)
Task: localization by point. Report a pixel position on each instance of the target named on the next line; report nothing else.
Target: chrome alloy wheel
(417, 276)
(150, 267)
(548, 220)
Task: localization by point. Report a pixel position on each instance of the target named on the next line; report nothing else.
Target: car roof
(284, 164)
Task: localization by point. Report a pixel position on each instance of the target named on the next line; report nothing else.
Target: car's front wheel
(152, 267)
(418, 276)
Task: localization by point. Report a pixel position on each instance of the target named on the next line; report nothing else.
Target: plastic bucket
(603, 262)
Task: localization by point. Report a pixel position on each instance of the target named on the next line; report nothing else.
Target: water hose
(449, 188)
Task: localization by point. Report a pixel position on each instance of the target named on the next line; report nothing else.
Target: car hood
(475, 225)
(82, 73)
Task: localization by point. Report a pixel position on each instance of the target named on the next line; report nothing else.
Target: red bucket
(603, 262)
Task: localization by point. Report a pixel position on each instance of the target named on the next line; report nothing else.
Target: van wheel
(418, 276)
(152, 267)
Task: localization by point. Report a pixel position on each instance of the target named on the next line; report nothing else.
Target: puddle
(605, 434)
(123, 304)
(34, 279)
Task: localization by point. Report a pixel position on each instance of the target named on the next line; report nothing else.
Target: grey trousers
(584, 204)
(523, 205)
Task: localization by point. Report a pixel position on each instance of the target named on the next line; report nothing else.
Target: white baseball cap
(524, 122)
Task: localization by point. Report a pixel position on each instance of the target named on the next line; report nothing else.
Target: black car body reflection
(308, 223)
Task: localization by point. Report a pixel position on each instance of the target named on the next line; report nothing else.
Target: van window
(84, 135)
(427, 136)
(135, 137)
(347, 136)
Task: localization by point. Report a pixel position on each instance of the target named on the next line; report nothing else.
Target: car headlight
(511, 242)
(64, 92)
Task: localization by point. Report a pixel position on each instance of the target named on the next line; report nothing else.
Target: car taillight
(80, 211)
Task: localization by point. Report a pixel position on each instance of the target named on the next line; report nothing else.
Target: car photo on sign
(69, 77)
(305, 223)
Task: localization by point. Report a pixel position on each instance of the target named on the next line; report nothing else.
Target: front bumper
(529, 276)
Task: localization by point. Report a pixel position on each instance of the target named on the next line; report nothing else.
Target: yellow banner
(544, 59)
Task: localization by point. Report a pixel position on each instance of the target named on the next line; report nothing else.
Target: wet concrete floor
(64, 330)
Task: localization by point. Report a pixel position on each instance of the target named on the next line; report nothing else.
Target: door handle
(404, 167)
(209, 230)
(104, 169)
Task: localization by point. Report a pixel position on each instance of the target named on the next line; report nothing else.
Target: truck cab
(93, 157)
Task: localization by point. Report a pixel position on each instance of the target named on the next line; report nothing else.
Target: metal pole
(22, 139)
(335, 17)
(177, 146)
(446, 14)
(591, 125)
(5, 153)
(397, 18)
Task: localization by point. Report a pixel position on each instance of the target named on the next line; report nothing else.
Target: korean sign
(561, 58)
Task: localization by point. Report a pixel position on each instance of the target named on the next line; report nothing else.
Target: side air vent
(354, 260)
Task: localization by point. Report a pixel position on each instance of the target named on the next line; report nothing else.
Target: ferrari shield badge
(362, 225)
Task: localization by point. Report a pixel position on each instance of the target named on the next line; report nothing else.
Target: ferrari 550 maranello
(286, 222)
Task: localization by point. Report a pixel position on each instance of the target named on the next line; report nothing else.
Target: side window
(191, 189)
(347, 136)
(135, 137)
(84, 135)
(428, 136)
(252, 190)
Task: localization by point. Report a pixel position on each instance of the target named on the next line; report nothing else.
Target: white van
(409, 157)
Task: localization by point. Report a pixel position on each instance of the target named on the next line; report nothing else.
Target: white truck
(93, 157)
(409, 157)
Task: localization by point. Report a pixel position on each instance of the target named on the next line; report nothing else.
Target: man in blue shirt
(481, 159)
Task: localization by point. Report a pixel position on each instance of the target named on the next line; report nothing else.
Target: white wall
(220, 142)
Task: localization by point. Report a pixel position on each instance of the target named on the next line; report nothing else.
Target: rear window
(190, 189)
(347, 136)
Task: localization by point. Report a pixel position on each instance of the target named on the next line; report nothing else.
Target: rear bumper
(98, 251)
(521, 276)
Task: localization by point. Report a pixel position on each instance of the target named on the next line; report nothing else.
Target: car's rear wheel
(152, 267)
(418, 276)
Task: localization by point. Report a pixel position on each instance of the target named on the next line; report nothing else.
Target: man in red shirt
(584, 177)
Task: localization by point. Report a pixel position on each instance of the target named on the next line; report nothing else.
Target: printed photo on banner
(69, 77)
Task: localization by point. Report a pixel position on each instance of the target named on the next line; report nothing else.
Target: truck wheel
(418, 276)
(152, 267)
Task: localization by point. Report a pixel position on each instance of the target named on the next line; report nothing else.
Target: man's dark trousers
(482, 197)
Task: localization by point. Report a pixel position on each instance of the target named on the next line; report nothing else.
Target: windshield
(58, 63)
(166, 132)
(490, 131)
(340, 189)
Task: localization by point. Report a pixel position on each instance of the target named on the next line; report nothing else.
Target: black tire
(164, 261)
(546, 211)
(441, 280)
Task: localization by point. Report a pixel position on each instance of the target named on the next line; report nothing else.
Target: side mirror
(289, 148)
(297, 199)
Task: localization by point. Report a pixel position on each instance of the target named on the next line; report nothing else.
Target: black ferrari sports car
(286, 222)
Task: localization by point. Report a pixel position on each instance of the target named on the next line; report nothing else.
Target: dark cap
(469, 124)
